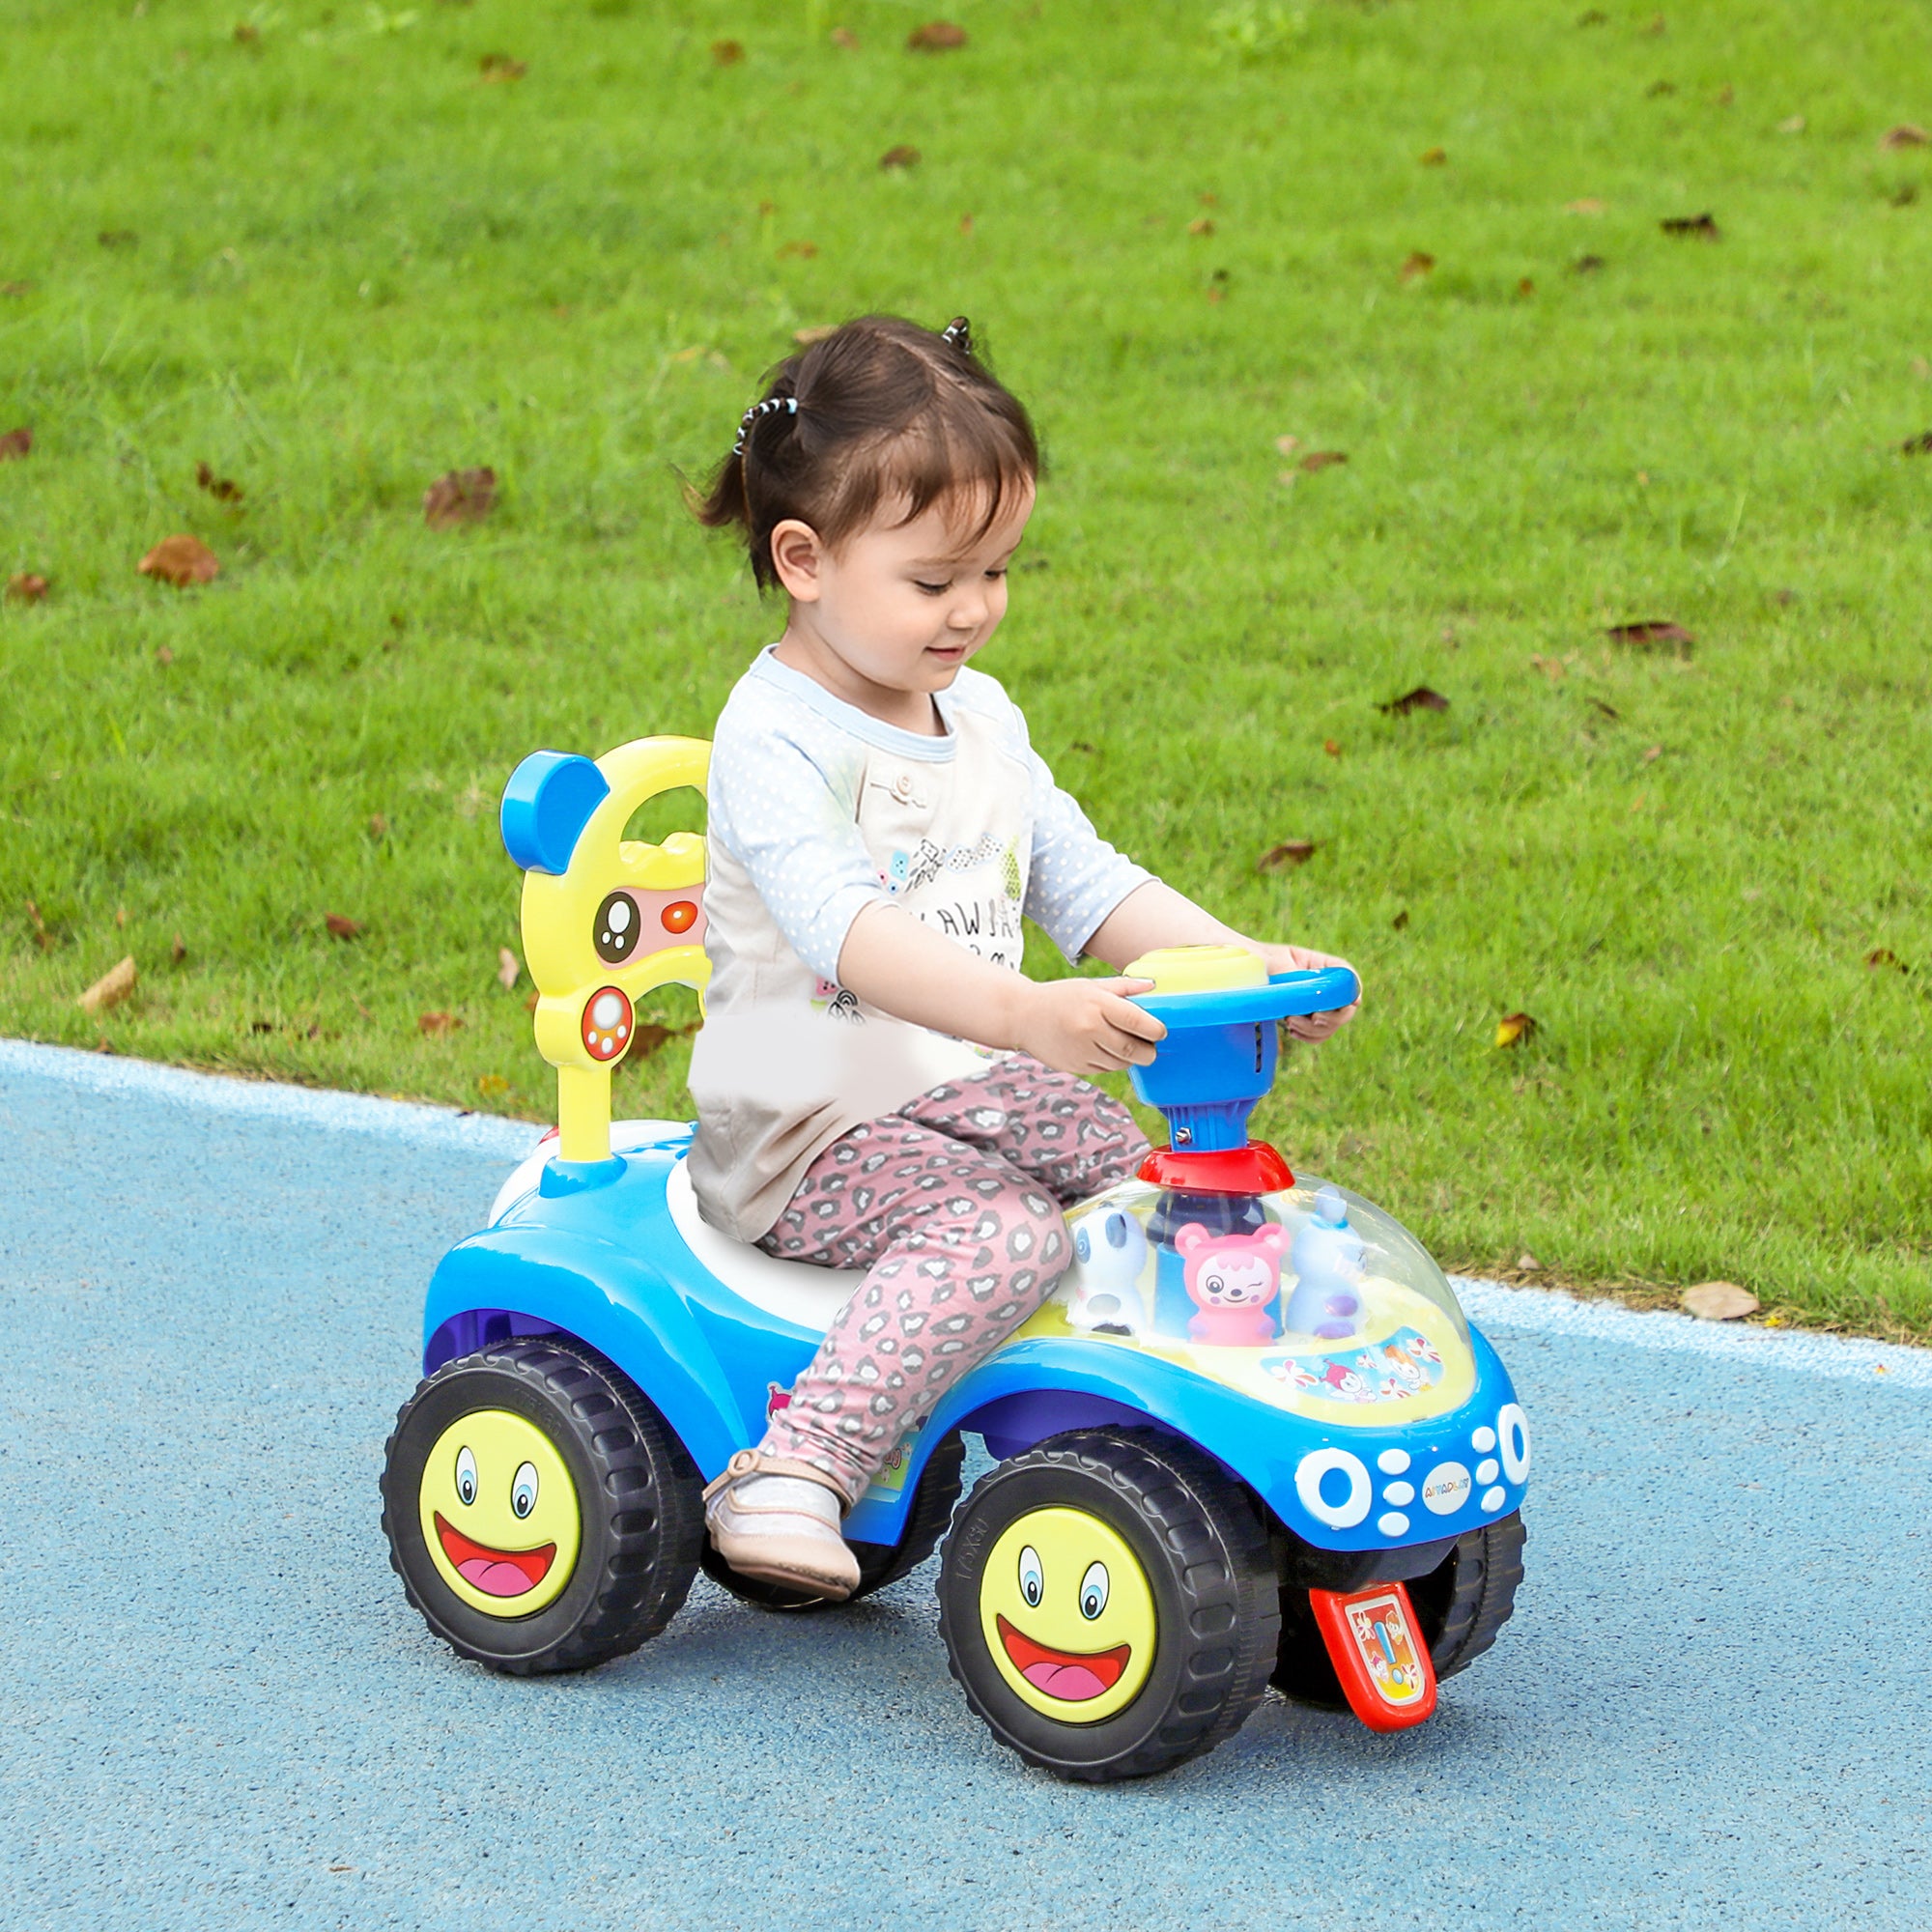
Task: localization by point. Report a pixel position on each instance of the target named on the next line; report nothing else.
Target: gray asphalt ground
(1711, 1709)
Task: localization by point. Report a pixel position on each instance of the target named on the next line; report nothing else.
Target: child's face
(902, 607)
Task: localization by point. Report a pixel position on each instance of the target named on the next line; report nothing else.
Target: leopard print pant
(953, 1207)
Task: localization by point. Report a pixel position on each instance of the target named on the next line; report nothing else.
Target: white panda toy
(1103, 1287)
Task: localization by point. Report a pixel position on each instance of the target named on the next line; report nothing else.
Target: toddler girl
(878, 1084)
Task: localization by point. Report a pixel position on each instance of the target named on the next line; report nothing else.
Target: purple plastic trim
(1014, 1423)
(478, 1328)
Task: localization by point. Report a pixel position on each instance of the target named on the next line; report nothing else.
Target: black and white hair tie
(957, 334)
(789, 404)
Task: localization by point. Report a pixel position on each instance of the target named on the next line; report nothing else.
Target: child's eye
(933, 590)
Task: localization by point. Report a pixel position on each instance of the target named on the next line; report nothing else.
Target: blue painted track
(218, 1710)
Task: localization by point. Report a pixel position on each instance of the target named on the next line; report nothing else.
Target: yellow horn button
(1068, 1615)
(498, 1513)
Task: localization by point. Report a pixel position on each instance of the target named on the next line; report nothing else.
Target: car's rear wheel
(1461, 1605)
(879, 1563)
(541, 1513)
(1109, 1603)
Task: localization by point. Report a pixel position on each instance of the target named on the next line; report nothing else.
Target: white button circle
(1482, 1441)
(1400, 1494)
(1308, 1475)
(1394, 1523)
(1445, 1489)
(1392, 1462)
(1492, 1500)
(1486, 1471)
(1513, 1427)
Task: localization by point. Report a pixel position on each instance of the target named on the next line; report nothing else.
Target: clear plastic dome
(1312, 1298)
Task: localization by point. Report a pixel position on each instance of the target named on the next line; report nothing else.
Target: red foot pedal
(1376, 1646)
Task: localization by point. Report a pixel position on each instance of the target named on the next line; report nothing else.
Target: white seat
(794, 1292)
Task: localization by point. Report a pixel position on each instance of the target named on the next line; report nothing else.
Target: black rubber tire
(879, 1563)
(1461, 1605)
(1204, 1551)
(640, 1508)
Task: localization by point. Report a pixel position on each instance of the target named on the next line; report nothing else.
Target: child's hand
(1086, 1025)
(1299, 959)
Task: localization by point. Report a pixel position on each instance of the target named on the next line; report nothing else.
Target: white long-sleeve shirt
(818, 811)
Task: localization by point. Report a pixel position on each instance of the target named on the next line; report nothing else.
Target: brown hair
(880, 411)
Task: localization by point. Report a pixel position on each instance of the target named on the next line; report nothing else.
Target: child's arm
(1154, 914)
(894, 963)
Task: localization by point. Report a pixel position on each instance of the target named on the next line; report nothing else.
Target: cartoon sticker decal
(1405, 1365)
(498, 1513)
(1068, 1614)
(1387, 1646)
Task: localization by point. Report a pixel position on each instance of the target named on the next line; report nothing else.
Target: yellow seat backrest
(605, 919)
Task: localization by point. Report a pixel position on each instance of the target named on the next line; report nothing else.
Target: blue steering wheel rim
(1287, 994)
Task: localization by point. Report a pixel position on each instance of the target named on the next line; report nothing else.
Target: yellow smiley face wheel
(540, 1513)
(1109, 1603)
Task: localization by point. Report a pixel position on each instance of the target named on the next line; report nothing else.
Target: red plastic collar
(1255, 1168)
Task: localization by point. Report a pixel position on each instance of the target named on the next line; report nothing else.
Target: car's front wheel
(540, 1512)
(1109, 1604)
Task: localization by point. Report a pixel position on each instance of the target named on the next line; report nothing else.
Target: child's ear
(796, 556)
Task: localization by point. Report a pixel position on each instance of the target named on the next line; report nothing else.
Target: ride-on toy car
(1250, 1439)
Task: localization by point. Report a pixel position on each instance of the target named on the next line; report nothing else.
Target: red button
(680, 916)
(607, 1024)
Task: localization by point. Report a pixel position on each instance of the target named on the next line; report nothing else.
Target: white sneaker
(777, 1521)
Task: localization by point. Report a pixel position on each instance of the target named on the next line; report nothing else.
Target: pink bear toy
(1232, 1279)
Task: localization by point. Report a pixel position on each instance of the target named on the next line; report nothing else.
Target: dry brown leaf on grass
(1202, 224)
(727, 53)
(1514, 1027)
(843, 37)
(500, 66)
(1528, 1262)
(1278, 858)
(436, 1025)
(163, 656)
(17, 288)
(1692, 227)
(16, 443)
(1287, 444)
(491, 1086)
(43, 938)
(936, 37)
(804, 250)
(905, 156)
(806, 337)
(27, 586)
(1792, 123)
(118, 238)
(1421, 699)
(1332, 746)
(1586, 265)
(378, 825)
(1608, 710)
(1917, 445)
(1322, 458)
(181, 560)
(1434, 157)
(1719, 1302)
(223, 489)
(1884, 956)
(112, 987)
(1524, 288)
(1418, 265)
(340, 925)
(1905, 135)
(1652, 634)
(1585, 205)
(460, 496)
(507, 968)
(1400, 922)
(178, 951)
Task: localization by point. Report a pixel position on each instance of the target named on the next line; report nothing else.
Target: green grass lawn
(332, 258)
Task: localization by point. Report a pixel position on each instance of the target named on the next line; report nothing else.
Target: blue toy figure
(1326, 1259)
